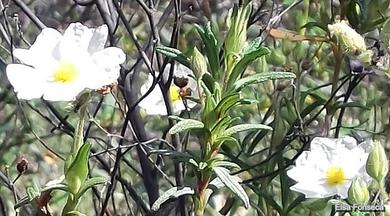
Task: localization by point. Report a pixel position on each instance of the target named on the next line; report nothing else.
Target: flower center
(174, 93)
(335, 176)
(65, 73)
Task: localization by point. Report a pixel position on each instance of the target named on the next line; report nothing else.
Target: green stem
(201, 197)
(72, 202)
(79, 132)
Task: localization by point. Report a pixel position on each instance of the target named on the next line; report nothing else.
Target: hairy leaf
(262, 77)
(212, 49)
(232, 183)
(172, 193)
(186, 124)
(250, 53)
(174, 54)
(243, 127)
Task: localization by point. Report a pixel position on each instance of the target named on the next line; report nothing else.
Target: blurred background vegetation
(319, 103)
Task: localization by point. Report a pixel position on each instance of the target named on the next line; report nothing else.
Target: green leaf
(232, 183)
(174, 155)
(295, 203)
(217, 184)
(172, 193)
(25, 200)
(243, 127)
(310, 25)
(78, 170)
(385, 34)
(32, 193)
(89, 183)
(230, 140)
(74, 213)
(212, 49)
(174, 54)
(250, 53)
(262, 77)
(317, 204)
(226, 103)
(225, 164)
(186, 124)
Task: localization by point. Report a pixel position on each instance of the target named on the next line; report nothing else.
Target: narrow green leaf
(212, 49)
(228, 140)
(250, 53)
(244, 127)
(232, 183)
(262, 77)
(172, 193)
(89, 183)
(32, 193)
(186, 124)
(174, 155)
(75, 213)
(295, 203)
(174, 54)
(226, 103)
(225, 164)
(78, 171)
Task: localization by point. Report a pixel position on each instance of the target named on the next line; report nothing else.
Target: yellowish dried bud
(352, 41)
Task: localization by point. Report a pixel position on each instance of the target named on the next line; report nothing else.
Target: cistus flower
(58, 67)
(329, 167)
(154, 104)
(352, 41)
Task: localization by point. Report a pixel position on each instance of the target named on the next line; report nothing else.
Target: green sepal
(78, 170)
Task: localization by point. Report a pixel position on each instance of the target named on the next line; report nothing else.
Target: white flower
(154, 104)
(329, 167)
(58, 67)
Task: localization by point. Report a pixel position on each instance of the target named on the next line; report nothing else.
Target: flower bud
(198, 63)
(77, 173)
(22, 165)
(352, 41)
(366, 57)
(377, 165)
(237, 34)
(358, 192)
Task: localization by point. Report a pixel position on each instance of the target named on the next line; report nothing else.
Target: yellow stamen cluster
(335, 176)
(174, 93)
(65, 73)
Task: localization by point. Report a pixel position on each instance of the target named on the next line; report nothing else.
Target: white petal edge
(27, 82)
(98, 39)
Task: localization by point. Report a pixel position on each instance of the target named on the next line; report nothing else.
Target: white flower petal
(153, 104)
(312, 190)
(98, 39)
(62, 92)
(107, 66)
(74, 43)
(41, 50)
(26, 81)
